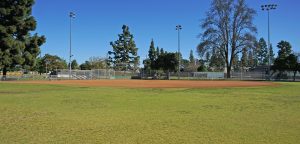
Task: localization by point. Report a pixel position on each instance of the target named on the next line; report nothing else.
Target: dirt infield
(155, 83)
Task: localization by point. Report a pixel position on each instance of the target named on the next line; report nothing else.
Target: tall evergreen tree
(152, 55)
(17, 46)
(192, 58)
(244, 58)
(162, 52)
(285, 49)
(293, 65)
(147, 64)
(262, 52)
(216, 61)
(255, 57)
(86, 66)
(251, 61)
(124, 55)
(168, 62)
(272, 55)
(136, 63)
(208, 57)
(157, 52)
(38, 67)
(236, 63)
(74, 64)
(285, 61)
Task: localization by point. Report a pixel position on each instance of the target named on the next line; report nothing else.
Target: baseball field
(149, 112)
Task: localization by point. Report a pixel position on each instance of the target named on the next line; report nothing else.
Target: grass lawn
(73, 114)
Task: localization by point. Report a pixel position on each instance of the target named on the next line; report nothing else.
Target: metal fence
(111, 74)
(24, 77)
(84, 74)
(275, 76)
(285, 76)
(93, 74)
(198, 75)
(249, 76)
(182, 75)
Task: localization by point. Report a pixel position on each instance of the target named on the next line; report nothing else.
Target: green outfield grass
(64, 114)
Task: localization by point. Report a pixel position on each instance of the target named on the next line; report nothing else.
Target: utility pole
(268, 8)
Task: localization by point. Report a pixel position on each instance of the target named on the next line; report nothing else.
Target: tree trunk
(4, 73)
(228, 72)
(295, 72)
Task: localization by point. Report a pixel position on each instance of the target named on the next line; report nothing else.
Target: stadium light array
(72, 16)
(268, 8)
(178, 28)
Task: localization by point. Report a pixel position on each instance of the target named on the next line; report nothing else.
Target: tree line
(159, 59)
(18, 47)
(227, 43)
(286, 61)
(247, 59)
(52, 63)
(229, 33)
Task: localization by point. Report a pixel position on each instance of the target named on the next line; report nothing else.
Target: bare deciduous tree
(228, 27)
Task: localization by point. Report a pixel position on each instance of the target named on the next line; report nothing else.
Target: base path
(154, 83)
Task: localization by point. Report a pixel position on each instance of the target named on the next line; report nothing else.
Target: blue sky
(98, 22)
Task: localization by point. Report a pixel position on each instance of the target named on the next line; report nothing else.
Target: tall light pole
(268, 8)
(178, 28)
(72, 16)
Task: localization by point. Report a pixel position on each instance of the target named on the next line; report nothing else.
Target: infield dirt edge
(154, 83)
